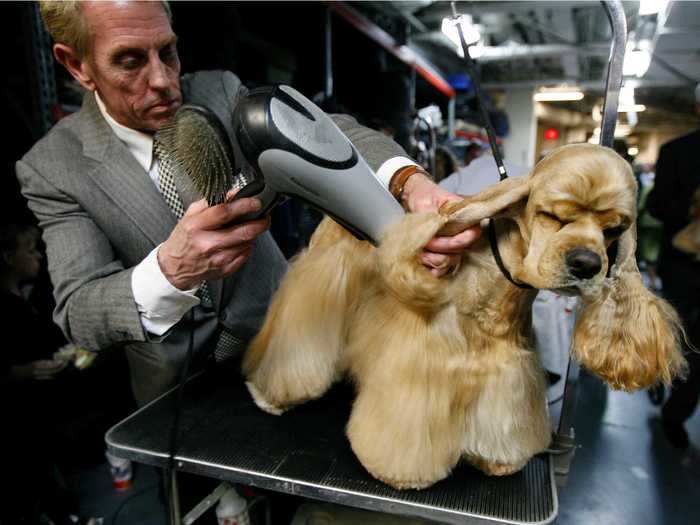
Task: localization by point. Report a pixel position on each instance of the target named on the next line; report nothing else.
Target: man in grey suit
(126, 271)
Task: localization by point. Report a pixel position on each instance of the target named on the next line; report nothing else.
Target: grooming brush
(200, 149)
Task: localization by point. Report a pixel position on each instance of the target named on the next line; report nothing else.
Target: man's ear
(77, 67)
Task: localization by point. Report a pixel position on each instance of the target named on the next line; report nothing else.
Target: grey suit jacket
(101, 215)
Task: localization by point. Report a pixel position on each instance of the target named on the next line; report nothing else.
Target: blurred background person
(55, 413)
(28, 373)
(479, 171)
(677, 179)
(649, 230)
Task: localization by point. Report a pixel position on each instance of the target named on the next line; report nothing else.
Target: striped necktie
(166, 184)
(227, 345)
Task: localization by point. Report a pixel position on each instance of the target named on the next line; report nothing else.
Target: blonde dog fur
(444, 368)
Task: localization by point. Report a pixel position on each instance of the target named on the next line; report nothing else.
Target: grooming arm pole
(613, 83)
(564, 443)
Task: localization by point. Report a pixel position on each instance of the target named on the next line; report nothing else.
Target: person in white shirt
(480, 172)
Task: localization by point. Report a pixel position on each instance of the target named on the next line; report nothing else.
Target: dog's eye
(550, 216)
(611, 233)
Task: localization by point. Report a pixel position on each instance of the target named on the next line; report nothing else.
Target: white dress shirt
(160, 304)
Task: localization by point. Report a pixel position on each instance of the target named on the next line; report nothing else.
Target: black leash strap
(502, 173)
(476, 82)
(499, 261)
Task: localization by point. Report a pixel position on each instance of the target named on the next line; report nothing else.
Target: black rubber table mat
(224, 435)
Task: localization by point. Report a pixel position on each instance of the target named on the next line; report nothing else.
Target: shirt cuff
(386, 171)
(159, 303)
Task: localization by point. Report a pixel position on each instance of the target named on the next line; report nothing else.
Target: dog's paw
(405, 484)
(419, 477)
(494, 468)
(262, 403)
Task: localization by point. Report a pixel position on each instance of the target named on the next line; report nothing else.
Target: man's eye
(129, 62)
(168, 54)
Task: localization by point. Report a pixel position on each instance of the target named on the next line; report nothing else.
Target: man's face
(133, 62)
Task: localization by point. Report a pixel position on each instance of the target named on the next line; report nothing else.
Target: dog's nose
(583, 263)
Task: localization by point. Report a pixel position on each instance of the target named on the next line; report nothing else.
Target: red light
(551, 134)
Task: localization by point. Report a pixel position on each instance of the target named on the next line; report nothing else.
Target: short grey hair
(65, 23)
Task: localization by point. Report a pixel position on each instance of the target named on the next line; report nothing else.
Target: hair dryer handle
(267, 196)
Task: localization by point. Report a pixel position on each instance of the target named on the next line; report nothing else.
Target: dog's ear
(504, 199)
(624, 333)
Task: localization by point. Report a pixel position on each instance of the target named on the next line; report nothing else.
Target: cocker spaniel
(444, 368)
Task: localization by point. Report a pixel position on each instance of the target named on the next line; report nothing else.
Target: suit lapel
(121, 177)
(128, 186)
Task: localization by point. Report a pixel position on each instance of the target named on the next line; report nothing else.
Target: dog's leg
(403, 428)
(294, 357)
(508, 423)
(403, 432)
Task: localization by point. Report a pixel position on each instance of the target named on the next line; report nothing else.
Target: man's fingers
(223, 257)
(196, 207)
(434, 260)
(237, 261)
(235, 235)
(204, 217)
(226, 213)
(456, 243)
(439, 264)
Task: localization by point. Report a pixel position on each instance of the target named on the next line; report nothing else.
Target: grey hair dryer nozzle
(295, 149)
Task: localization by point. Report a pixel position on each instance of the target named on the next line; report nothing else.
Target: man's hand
(441, 254)
(42, 370)
(204, 245)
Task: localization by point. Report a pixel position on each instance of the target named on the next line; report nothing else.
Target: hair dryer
(295, 149)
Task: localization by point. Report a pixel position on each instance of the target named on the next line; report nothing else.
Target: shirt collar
(138, 143)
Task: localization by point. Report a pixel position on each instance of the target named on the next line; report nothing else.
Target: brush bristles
(197, 150)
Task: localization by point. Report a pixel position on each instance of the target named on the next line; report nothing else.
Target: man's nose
(158, 75)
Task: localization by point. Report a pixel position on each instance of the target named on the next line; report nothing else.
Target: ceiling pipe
(404, 53)
(503, 53)
(584, 84)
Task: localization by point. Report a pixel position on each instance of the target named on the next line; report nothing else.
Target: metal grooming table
(304, 452)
